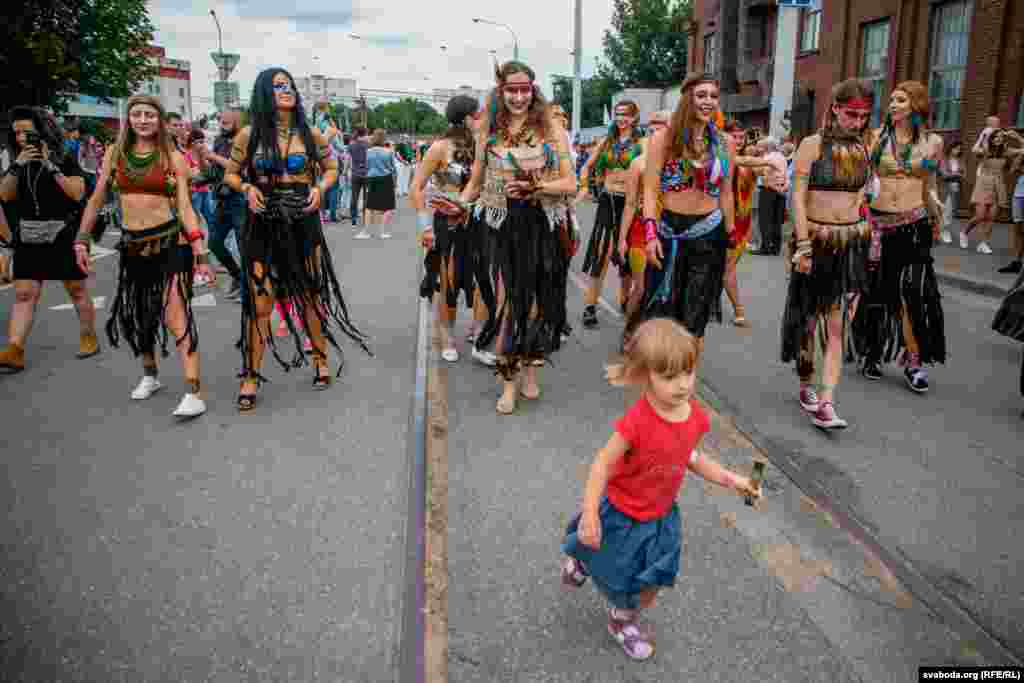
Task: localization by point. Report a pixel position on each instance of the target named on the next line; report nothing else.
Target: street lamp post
(515, 39)
(220, 37)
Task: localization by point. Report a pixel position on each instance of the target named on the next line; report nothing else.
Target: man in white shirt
(771, 203)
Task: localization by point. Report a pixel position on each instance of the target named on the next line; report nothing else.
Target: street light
(515, 39)
(220, 40)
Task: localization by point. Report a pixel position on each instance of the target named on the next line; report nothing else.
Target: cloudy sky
(402, 39)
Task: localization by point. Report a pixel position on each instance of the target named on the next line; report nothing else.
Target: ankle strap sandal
(320, 380)
(247, 402)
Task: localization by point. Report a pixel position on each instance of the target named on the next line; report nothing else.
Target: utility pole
(785, 63)
(577, 66)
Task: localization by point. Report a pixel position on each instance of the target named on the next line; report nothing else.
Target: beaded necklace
(137, 166)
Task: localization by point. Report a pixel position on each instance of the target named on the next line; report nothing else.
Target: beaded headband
(861, 103)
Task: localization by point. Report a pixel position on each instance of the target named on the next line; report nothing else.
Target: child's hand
(589, 531)
(745, 487)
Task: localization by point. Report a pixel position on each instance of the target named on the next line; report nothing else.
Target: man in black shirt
(230, 205)
(357, 150)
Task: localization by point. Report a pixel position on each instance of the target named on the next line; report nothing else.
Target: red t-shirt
(644, 483)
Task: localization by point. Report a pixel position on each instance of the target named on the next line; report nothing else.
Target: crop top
(617, 157)
(823, 172)
(679, 175)
(890, 166)
(294, 164)
(156, 181)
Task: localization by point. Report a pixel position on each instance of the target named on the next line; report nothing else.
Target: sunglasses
(518, 89)
(283, 88)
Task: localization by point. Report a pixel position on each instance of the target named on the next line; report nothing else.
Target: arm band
(650, 229)
(194, 236)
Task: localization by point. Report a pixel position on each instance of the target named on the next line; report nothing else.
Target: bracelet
(81, 246)
(193, 236)
(650, 229)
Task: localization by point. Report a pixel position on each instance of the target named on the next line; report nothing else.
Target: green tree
(53, 49)
(407, 116)
(595, 94)
(646, 46)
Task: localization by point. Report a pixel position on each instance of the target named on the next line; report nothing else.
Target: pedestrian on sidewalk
(830, 246)
(989, 188)
(344, 174)
(380, 186)
(229, 206)
(44, 186)
(901, 316)
(606, 170)
(161, 249)
(521, 177)
(689, 176)
(284, 253)
(628, 535)
(357, 152)
(951, 172)
(771, 202)
(1015, 168)
(453, 263)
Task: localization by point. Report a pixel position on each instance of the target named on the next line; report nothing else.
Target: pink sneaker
(574, 574)
(636, 642)
(808, 398)
(827, 418)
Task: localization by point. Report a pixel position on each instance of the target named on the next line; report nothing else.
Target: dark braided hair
(461, 136)
(263, 122)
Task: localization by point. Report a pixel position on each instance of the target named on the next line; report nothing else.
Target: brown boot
(12, 359)
(88, 345)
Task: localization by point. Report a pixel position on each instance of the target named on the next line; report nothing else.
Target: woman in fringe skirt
(154, 284)
(282, 245)
(830, 245)
(902, 314)
(1009, 320)
(521, 177)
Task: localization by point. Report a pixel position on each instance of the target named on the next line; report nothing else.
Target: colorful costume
(744, 184)
(605, 234)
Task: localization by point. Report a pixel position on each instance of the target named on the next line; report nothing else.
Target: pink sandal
(574, 574)
(636, 641)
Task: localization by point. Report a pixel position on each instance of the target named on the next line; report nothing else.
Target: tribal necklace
(137, 166)
(523, 136)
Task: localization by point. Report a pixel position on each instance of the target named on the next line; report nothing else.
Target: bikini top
(617, 157)
(678, 175)
(908, 165)
(823, 176)
(294, 164)
(452, 175)
(155, 182)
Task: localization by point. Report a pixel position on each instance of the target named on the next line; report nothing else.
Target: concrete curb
(945, 607)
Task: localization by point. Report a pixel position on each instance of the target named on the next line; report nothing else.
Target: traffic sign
(225, 63)
(802, 4)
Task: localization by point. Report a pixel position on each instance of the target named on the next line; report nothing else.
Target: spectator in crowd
(357, 152)
(772, 196)
(380, 185)
(344, 171)
(229, 209)
(179, 129)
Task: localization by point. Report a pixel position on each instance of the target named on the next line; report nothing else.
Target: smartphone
(755, 478)
(32, 139)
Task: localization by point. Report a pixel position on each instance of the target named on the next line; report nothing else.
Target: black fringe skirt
(688, 286)
(151, 261)
(605, 234)
(289, 246)
(839, 268)
(451, 254)
(1009, 320)
(530, 263)
(903, 277)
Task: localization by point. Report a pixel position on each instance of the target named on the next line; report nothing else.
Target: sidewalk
(967, 269)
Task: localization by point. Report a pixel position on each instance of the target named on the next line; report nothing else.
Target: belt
(890, 221)
(699, 229)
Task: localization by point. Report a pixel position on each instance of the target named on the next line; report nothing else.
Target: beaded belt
(699, 229)
(890, 221)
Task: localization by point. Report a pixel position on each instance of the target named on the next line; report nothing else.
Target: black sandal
(320, 382)
(247, 402)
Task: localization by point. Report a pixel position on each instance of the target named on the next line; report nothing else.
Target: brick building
(970, 53)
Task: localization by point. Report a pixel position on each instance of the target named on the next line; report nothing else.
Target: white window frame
(711, 53)
(880, 79)
(937, 52)
(811, 20)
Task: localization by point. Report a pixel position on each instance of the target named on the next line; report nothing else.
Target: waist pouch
(39, 232)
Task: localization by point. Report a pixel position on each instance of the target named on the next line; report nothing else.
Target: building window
(710, 54)
(811, 29)
(760, 37)
(874, 64)
(951, 25)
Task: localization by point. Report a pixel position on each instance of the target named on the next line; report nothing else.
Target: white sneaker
(191, 406)
(946, 237)
(485, 357)
(147, 387)
(983, 248)
(385, 235)
(963, 240)
(450, 354)
(361, 235)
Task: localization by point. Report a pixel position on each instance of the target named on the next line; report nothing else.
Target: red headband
(861, 103)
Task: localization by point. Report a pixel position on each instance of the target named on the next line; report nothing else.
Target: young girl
(627, 537)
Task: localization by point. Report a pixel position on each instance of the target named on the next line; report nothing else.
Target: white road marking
(98, 302)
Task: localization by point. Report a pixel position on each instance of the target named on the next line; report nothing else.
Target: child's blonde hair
(659, 345)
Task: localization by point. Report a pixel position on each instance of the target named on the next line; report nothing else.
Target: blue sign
(802, 4)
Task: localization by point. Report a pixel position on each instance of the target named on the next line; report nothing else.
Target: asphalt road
(259, 547)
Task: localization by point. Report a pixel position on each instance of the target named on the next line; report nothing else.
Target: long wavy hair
(538, 116)
(46, 126)
(850, 156)
(682, 141)
(613, 135)
(920, 109)
(263, 122)
(461, 135)
(127, 138)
